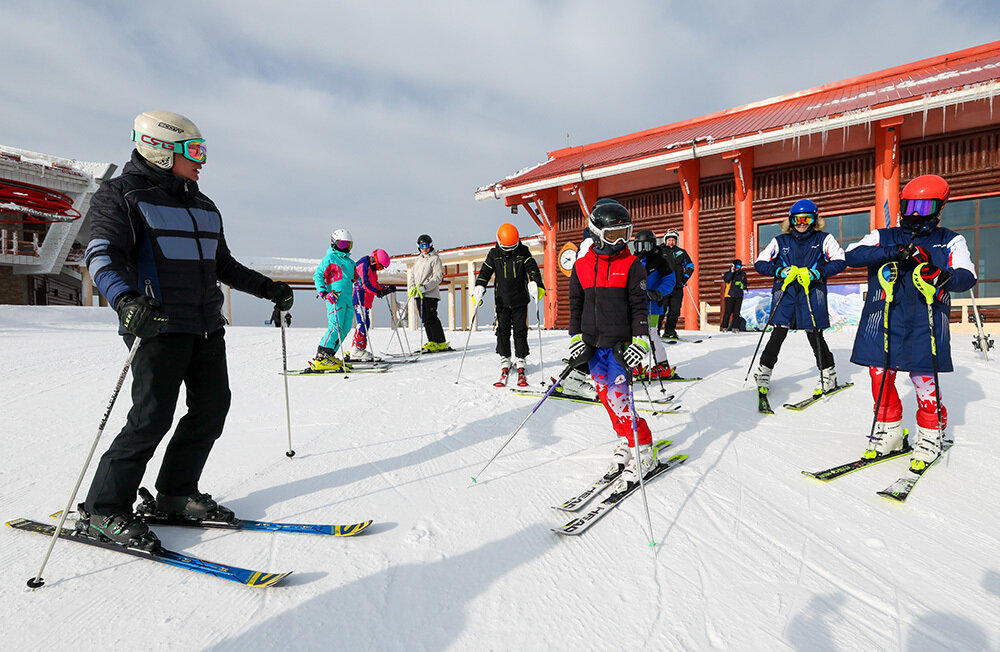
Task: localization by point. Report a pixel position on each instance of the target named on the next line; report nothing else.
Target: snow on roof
(85, 171)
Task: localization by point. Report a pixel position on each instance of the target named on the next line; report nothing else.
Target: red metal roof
(921, 79)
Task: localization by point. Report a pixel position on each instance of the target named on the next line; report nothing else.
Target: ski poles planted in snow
(284, 373)
(982, 342)
(396, 328)
(538, 321)
(37, 581)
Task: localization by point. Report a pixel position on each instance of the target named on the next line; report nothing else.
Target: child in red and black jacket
(608, 323)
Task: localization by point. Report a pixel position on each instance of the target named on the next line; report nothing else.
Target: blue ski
(245, 576)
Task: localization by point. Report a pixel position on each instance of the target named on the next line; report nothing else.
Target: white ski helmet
(156, 134)
(342, 240)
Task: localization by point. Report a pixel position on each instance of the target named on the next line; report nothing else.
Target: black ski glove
(654, 295)
(278, 292)
(386, 291)
(276, 318)
(141, 315)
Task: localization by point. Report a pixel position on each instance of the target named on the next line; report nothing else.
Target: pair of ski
(522, 379)
(663, 405)
(764, 405)
(580, 524)
(246, 576)
(899, 490)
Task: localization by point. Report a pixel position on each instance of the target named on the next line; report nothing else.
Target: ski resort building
(42, 231)
(726, 180)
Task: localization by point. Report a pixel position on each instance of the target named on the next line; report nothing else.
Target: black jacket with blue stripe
(156, 234)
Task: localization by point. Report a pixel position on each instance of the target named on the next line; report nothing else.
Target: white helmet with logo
(154, 131)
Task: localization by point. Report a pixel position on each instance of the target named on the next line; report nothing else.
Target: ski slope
(749, 555)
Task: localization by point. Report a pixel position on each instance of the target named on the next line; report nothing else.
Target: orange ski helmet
(508, 237)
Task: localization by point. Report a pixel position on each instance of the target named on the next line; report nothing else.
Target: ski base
(580, 525)
(577, 502)
(801, 405)
(245, 576)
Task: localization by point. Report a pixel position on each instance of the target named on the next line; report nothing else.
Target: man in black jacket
(680, 262)
(517, 282)
(157, 252)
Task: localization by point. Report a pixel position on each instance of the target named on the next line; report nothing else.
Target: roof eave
(777, 134)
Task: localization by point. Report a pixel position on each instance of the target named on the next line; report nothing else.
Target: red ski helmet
(921, 202)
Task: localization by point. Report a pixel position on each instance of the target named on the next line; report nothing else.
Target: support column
(545, 217)
(743, 203)
(688, 176)
(886, 211)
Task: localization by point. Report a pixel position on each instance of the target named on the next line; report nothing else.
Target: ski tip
(351, 530)
(263, 580)
(474, 481)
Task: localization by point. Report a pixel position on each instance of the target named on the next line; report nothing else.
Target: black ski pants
(160, 366)
(672, 309)
(731, 312)
(428, 309)
(824, 357)
(512, 319)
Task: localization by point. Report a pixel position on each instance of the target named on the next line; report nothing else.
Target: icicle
(923, 127)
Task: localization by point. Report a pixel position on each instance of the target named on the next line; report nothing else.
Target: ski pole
(37, 581)
(569, 367)
(982, 341)
(538, 322)
(396, 328)
(284, 368)
(788, 280)
(888, 274)
(928, 291)
(638, 465)
(691, 297)
(467, 339)
(804, 280)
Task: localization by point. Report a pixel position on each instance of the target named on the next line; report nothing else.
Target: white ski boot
(926, 450)
(888, 438)
(827, 381)
(621, 457)
(629, 477)
(578, 385)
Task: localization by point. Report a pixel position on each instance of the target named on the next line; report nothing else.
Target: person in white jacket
(427, 276)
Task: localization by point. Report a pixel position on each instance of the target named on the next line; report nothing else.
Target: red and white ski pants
(891, 409)
(615, 394)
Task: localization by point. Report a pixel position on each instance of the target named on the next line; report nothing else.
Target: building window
(978, 220)
(766, 231)
(848, 228)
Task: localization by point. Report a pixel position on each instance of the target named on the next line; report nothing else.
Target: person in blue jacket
(945, 266)
(800, 259)
(660, 281)
(334, 280)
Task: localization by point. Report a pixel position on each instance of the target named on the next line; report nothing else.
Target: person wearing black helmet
(608, 327)
(735, 280)
(427, 276)
(660, 281)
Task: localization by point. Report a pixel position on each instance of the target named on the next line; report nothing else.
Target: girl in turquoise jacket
(334, 279)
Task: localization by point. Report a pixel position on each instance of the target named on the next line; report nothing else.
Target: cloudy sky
(384, 117)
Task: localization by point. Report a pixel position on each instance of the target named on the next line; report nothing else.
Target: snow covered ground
(751, 554)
